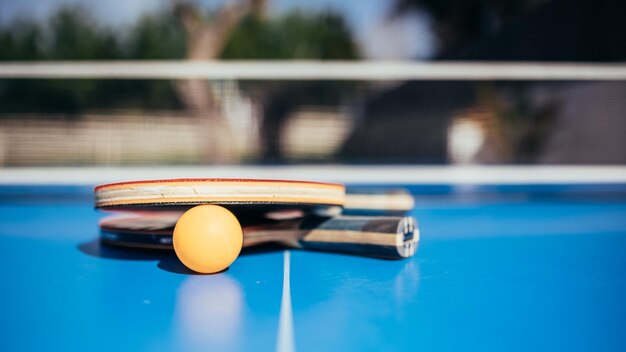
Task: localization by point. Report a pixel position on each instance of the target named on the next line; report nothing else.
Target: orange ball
(207, 238)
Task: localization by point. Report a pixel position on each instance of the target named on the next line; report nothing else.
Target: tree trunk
(205, 41)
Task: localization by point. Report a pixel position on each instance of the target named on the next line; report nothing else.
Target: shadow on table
(167, 258)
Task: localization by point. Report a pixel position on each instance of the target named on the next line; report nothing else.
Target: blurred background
(107, 120)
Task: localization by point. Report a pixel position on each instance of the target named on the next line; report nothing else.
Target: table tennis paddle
(379, 236)
(244, 197)
(312, 207)
(252, 196)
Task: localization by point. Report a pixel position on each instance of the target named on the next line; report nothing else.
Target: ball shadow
(173, 265)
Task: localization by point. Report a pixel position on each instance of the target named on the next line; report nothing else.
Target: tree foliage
(72, 33)
(293, 36)
(457, 21)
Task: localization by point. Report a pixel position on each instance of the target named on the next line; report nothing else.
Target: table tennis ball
(207, 238)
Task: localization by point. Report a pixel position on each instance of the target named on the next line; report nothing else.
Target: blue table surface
(498, 268)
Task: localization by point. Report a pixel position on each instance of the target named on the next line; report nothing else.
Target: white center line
(286, 340)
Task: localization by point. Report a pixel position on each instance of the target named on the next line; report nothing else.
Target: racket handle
(387, 237)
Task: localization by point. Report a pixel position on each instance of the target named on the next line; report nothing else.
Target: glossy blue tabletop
(498, 268)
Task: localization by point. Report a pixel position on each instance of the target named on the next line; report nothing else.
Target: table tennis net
(99, 113)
